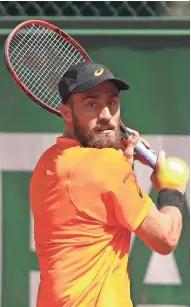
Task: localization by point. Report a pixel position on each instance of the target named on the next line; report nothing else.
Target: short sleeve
(103, 186)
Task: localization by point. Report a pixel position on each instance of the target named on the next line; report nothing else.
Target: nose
(105, 115)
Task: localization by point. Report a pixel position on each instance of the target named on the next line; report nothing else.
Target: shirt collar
(64, 143)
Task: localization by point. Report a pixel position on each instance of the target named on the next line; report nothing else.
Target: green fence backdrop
(157, 105)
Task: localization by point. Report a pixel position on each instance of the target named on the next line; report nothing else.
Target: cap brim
(121, 85)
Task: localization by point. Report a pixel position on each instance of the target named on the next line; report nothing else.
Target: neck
(67, 135)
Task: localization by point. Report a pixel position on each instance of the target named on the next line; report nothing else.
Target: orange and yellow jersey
(77, 197)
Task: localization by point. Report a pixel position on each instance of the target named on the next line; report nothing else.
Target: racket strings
(52, 82)
(22, 54)
(124, 135)
(75, 60)
(20, 42)
(39, 60)
(56, 70)
(52, 104)
(48, 60)
(25, 63)
(40, 57)
(28, 76)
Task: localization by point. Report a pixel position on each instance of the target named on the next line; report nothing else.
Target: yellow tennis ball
(173, 173)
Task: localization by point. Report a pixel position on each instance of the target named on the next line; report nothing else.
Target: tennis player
(86, 201)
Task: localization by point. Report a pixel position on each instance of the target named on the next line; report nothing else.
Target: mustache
(104, 125)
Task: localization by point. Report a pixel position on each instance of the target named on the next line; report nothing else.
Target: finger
(133, 132)
(160, 159)
(132, 140)
(147, 145)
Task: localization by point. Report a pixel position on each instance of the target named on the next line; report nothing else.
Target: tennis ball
(173, 173)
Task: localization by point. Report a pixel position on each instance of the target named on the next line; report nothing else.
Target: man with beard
(86, 202)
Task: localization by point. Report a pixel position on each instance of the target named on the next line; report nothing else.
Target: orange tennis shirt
(78, 198)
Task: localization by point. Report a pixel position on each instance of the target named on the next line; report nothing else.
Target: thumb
(160, 160)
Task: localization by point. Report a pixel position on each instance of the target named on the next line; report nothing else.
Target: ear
(66, 113)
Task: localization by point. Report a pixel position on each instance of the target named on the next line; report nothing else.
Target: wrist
(170, 198)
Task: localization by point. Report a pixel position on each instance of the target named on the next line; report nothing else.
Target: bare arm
(161, 230)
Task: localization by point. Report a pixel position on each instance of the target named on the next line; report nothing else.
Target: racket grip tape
(146, 154)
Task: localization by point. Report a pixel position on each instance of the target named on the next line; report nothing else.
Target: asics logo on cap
(99, 71)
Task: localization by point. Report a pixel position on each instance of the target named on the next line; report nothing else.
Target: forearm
(172, 223)
(161, 229)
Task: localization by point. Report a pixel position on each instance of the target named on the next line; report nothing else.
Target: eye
(91, 104)
(112, 103)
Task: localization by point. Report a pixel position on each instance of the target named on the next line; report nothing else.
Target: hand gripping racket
(37, 54)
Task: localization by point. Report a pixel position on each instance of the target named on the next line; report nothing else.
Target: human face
(96, 116)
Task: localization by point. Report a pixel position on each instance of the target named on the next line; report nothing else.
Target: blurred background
(145, 43)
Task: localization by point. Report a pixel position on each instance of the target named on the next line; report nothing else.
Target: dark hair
(69, 100)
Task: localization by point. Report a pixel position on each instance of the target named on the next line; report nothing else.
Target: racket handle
(148, 155)
(140, 148)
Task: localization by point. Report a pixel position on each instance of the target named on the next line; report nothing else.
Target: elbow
(167, 246)
(165, 250)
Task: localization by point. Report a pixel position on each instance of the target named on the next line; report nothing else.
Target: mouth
(105, 131)
(105, 128)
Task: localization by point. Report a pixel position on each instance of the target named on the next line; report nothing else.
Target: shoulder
(81, 155)
(92, 161)
(42, 164)
(46, 156)
(78, 154)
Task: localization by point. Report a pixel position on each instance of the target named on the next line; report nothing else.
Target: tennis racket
(37, 54)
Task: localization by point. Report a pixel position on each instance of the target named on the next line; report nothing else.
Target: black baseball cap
(84, 76)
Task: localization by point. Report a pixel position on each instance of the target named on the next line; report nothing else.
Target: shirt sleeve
(102, 185)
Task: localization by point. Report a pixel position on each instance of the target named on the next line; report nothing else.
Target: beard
(96, 138)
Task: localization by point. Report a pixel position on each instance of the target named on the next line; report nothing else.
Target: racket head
(37, 54)
(16, 41)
